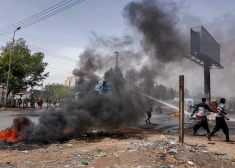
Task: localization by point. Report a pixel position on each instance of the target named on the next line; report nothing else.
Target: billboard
(194, 41)
(202, 43)
(208, 46)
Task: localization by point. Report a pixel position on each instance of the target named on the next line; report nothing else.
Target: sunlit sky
(68, 32)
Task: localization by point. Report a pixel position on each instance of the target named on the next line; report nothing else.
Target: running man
(201, 116)
(220, 121)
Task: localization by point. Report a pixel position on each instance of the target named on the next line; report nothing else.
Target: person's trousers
(149, 115)
(201, 123)
(221, 124)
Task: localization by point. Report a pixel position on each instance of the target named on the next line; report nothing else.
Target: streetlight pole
(131, 75)
(42, 90)
(116, 58)
(134, 73)
(9, 68)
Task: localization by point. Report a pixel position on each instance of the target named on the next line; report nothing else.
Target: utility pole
(116, 58)
(42, 89)
(181, 109)
(129, 74)
(9, 67)
(134, 72)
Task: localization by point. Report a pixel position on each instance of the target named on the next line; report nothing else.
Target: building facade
(71, 81)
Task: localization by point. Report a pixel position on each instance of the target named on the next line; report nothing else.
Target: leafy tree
(158, 91)
(58, 91)
(147, 87)
(115, 77)
(118, 79)
(172, 93)
(108, 75)
(162, 92)
(26, 69)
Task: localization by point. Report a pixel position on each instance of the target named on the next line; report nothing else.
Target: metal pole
(42, 90)
(116, 58)
(9, 68)
(207, 84)
(181, 109)
(129, 77)
(134, 73)
(134, 76)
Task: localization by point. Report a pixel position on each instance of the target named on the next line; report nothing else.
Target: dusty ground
(141, 146)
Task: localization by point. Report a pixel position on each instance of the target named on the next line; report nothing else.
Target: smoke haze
(160, 50)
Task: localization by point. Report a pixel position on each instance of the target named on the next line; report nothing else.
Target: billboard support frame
(205, 51)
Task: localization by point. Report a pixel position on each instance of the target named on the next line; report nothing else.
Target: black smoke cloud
(112, 42)
(157, 23)
(103, 112)
(90, 62)
(160, 43)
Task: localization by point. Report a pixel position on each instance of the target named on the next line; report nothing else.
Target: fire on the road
(67, 131)
(14, 133)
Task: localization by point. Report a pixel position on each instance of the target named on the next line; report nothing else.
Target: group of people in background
(20, 102)
(33, 102)
(54, 103)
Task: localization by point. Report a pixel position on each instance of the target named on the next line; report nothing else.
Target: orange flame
(67, 131)
(13, 134)
(10, 135)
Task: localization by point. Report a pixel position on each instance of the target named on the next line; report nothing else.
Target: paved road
(160, 121)
(6, 117)
(169, 123)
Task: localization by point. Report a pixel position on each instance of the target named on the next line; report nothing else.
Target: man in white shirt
(201, 116)
(220, 121)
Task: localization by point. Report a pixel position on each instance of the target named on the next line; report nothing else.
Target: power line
(58, 69)
(47, 52)
(56, 77)
(53, 54)
(63, 76)
(34, 16)
(57, 74)
(46, 39)
(50, 40)
(29, 23)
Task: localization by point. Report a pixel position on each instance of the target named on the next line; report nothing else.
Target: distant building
(74, 81)
(71, 81)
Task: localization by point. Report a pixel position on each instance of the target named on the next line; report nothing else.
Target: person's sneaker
(149, 122)
(194, 134)
(208, 137)
(146, 121)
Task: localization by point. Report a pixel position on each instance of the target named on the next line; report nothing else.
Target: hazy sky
(68, 32)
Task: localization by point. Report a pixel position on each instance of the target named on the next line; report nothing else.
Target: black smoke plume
(157, 24)
(160, 43)
(160, 38)
(102, 112)
(90, 62)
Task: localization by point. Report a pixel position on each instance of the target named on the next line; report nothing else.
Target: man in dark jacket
(148, 110)
(201, 116)
(220, 121)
